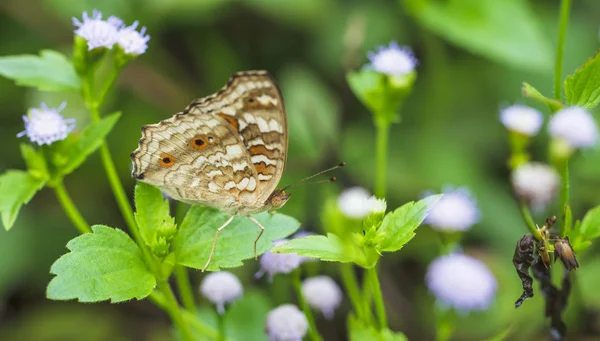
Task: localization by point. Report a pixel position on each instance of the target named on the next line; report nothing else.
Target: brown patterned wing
(198, 160)
(252, 104)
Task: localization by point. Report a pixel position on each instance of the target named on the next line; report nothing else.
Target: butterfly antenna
(332, 179)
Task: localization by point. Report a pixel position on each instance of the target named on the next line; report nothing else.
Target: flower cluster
(322, 293)
(357, 203)
(286, 323)
(536, 183)
(522, 119)
(106, 33)
(45, 125)
(455, 211)
(220, 288)
(393, 60)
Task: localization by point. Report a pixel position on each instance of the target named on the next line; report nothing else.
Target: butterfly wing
(252, 105)
(196, 159)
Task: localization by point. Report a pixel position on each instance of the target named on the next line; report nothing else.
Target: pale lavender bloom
(455, 211)
(393, 60)
(274, 263)
(286, 323)
(98, 32)
(535, 182)
(220, 288)
(461, 282)
(522, 119)
(132, 41)
(322, 293)
(575, 126)
(357, 203)
(46, 125)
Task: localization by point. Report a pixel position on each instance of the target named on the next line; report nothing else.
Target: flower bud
(564, 251)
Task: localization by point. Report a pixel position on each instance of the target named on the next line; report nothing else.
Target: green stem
(529, 221)
(174, 311)
(351, 286)
(70, 209)
(381, 145)
(565, 8)
(366, 299)
(107, 85)
(185, 289)
(377, 297)
(564, 192)
(221, 326)
(297, 283)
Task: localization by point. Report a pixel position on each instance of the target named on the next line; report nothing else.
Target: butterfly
(227, 150)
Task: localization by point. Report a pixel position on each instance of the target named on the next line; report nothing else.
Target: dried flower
(393, 60)
(286, 323)
(462, 282)
(45, 125)
(522, 119)
(564, 251)
(220, 288)
(322, 293)
(575, 126)
(455, 211)
(535, 183)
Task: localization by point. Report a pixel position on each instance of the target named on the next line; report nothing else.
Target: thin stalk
(107, 85)
(382, 132)
(312, 331)
(221, 326)
(70, 209)
(377, 297)
(366, 299)
(175, 311)
(351, 285)
(565, 9)
(185, 289)
(529, 221)
(564, 192)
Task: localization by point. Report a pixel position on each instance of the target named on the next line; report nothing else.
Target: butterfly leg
(262, 229)
(215, 242)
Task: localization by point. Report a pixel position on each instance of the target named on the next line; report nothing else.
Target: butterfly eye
(250, 100)
(200, 141)
(166, 160)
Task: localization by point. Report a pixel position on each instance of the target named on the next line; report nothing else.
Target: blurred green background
(473, 55)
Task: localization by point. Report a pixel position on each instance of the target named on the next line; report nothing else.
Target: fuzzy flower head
(522, 119)
(393, 60)
(575, 126)
(274, 263)
(455, 211)
(357, 203)
(286, 323)
(461, 282)
(131, 41)
(322, 293)
(220, 288)
(536, 183)
(46, 125)
(98, 32)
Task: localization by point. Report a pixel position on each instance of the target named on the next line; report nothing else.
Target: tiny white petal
(393, 60)
(220, 288)
(575, 126)
(455, 211)
(536, 183)
(286, 323)
(522, 119)
(46, 125)
(322, 293)
(98, 32)
(274, 263)
(132, 41)
(376, 205)
(461, 282)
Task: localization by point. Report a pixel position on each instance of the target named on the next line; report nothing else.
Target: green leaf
(17, 187)
(194, 240)
(328, 248)
(104, 265)
(398, 227)
(582, 88)
(530, 92)
(358, 331)
(480, 26)
(590, 225)
(72, 152)
(51, 71)
(36, 162)
(153, 217)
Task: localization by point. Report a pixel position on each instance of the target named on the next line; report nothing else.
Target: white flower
(461, 282)
(322, 293)
(522, 119)
(393, 60)
(455, 211)
(536, 183)
(132, 41)
(274, 263)
(220, 288)
(357, 203)
(575, 126)
(98, 32)
(45, 125)
(286, 323)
